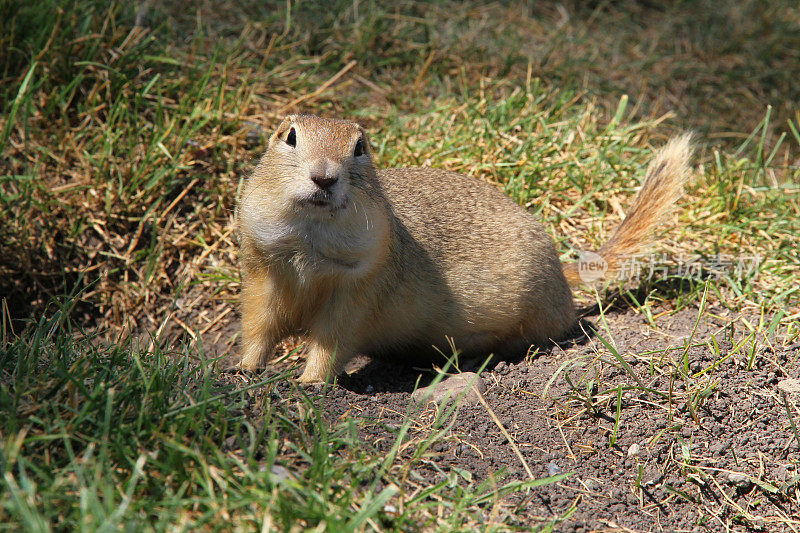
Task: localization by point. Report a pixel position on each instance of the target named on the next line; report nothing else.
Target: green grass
(122, 149)
(99, 437)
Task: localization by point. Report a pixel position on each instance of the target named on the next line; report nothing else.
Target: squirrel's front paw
(310, 377)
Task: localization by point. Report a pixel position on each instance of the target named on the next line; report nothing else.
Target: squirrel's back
(473, 259)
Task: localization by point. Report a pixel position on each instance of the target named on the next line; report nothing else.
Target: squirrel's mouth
(324, 200)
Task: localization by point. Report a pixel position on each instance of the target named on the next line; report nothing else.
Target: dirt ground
(729, 463)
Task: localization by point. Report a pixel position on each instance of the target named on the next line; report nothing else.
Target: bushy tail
(663, 185)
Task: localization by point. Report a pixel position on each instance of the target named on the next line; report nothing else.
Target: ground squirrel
(393, 262)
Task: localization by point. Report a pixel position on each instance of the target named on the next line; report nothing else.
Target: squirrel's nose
(324, 182)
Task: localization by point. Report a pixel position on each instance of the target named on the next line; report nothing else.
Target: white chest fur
(349, 242)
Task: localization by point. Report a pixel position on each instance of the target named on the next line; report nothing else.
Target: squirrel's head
(319, 165)
(315, 189)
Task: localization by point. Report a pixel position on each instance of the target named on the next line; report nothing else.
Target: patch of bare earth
(715, 451)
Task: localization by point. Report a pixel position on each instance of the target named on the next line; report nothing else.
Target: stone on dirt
(739, 480)
(468, 386)
(553, 469)
(790, 386)
(634, 450)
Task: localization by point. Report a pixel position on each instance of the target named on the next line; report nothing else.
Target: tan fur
(394, 262)
(663, 186)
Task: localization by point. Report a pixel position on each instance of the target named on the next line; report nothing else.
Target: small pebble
(790, 386)
(591, 484)
(657, 478)
(740, 481)
(719, 448)
(553, 469)
(634, 450)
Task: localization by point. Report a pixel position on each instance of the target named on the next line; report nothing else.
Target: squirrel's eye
(291, 138)
(359, 149)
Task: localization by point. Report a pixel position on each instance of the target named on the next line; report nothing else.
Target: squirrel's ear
(285, 125)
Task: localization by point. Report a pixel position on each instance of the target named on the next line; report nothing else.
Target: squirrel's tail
(662, 187)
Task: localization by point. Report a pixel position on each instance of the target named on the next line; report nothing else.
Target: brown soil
(684, 475)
